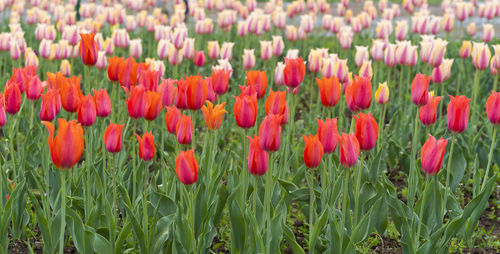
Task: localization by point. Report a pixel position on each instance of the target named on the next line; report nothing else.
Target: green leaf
(361, 230)
(102, 245)
(318, 226)
(237, 226)
(290, 239)
(379, 215)
(458, 165)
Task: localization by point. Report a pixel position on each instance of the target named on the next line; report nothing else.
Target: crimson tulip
(493, 108)
(245, 110)
(258, 159)
(172, 117)
(420, 89)
(184, 130)
(349, 150)
(113, 137)
(361, 89)
(186, 167)
(270, 132)
(328, 134)
(12, 98)
(432, 155)
(366, 131)
(146, 146)
(427, 114)
(220, 80)
(294, 72)
(87, 111)
(102, 102)
(458, 113)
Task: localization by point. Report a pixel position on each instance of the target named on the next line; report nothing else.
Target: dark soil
(19, 247)
(388, 245)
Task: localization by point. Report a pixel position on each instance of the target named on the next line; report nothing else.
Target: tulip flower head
(257, 80)
(196, 92)
(428, 113)
(366, 131)
(220, 80)
(136, 101)
(67, 146)
(213, 115)
(245, 110)
(349, 150)
(172, 117)
(146, 146)
(102, 102)
(270, 132)
(493, 108)
(153, 105)
(294, 72)
(184, 130)
(420, 89)
(88, 49)
(186, 167)
(432, 155)
(50, 103)
(361, 92)
(258, 158)
(12, 98)
(329, 89)
(113, 137)
(328, 134)
(276, 104)
(313, 151)
(382, 93)
(458, 113)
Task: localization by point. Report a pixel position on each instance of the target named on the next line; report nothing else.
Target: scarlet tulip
(88, 49)
(148, 79)
(420, 89)
(168, 92)
(258, 159)
(362, 92)
(34, 88)
(113, 137)
(114, 67)
(366, 131)
(48, 109)
(12, 98)
(146, 146)
(196, 92)
(349, 150)
(329, 90)
(19, 77)
(220, 80)
(87, 111)
(153, 105)
(432, 154)
(349, 98)
(70, 96)
(328, 134)
(184, 130)
(213, 115)
(127, 75)
(67, 146)
(294, 72)
(313, 151)
(186, 167)
(276, 104)
(102, 102)
(172, 117)
(245, 110)
(258, 80)
(458, 113)
(493, 108)
(270, 132)
(181, 101)
(427, 114)
(199, 58)
(136, 101)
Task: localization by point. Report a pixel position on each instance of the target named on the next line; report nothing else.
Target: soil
(19, 247)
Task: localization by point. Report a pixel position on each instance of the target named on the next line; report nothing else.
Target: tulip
(226, 51)
(34, 88)
(471, 29)
(184, 130)
(213, 49)
(113, 137)
(432, 155)
(149, 79)
(88, 49)
(127, 75)
(480, 55)
(382, 93)
(390, 55)
(361, 55)
(366, 131)
(114, 67)
(349, 98)
(257, 80)
(67, 146)
(328, 134)
(181, 100)
(258, 158)
(48, 109)
(294, 72)
(87, 111)
(220, 80)
(458, 113)
(493, 108)
(172, 117)
(168, 92)
(136, 101)
(341, 70)
(278, 45)
(465, 49)
(245, 110)
(276, 104)
(213, 115)
(419, 89)
(199, 58)
(12, 98)
(135, 49)
(266, 50)
(248, 59)
(329, 89)
(313, 151)
(349, 150)
(270, 132)
(146, 146)
(427, 114)
(102, 102)
(186, 167)
(71, 96)
(101, 61)
(362, 92)
(488, 33)
(153, 105)
(377, 50)
(196, 92)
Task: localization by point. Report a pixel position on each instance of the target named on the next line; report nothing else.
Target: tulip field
(241, 126)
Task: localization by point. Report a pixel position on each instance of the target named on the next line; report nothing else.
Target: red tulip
(146, 146)
(349, 150)
(153, 105)
(432, 154)
(172, 117)
(168, 92)
(70, 95)
(211, 95)
(34, 88)
(361, 89)
(258, 80)
(349, 98)
(213, 115)
(181, 100)
(48, 109)
(270, 133)
(127, 75)
(88, 49)
(258, 159)
(136, 101)
(102, 102)
(199, 58)
(19, 77)
(67, 146)
(220, 80)
(12, 98)
(328, 134)
(245, 110)
(113, 137)
(186, 167)
(148, 79)
(184, 130)
(276, 104)
(294, 72)
(458, 113)
(366, 131)
(329, 90)
(87, 111)
(114, 67)
(313, 151)
(493, 108)
(427, 114)
(196, 92)
(3, 117)
(420, 89)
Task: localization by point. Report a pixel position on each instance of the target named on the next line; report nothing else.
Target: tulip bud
(184, 130)
(329, 89)
(427, 114)
(382, 93)
(67, 146)
(186, 167)
(493, 108)
(313, 151)
(113, 137)
(432, 155)
(146, 146)
(328, 134)
(419, 89)
(258, 159)
(270, 132)
(349, 150)
(458, 113)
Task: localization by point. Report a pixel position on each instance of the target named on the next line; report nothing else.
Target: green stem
(495, 82)
(475, 88)
(88, 160)
(256, 185)
(145, 198)
(448, 169)
(412, 181)
(269, 180)
(133, 161)
(311, 210)
(63, 210)
(422, 205)
(381, 122)
(345, 209)
(12, 151)
(358, 183)
(490, 156)
(191, 205)
(115, 205)
(244, 172)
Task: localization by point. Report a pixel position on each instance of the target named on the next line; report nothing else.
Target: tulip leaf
(318, 226)
(238, 226)
(165, 205)
(361, 230)
(102, 245)
(292, 242)
(458, 165)
(379, 214)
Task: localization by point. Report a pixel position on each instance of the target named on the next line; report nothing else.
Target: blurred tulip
(328, 134)
(341, 71)
(114, 67)
(245, 110)
(276, 104)
(48, 108)
(168, 92)
(172, 117)
(294, 72)
(186, 167)
(480, 55)
(270, 132)
(146, 146)
(87, 110)
(488, 33)
(199, 58)
(257, 80)
(279, 78)
(67, 146)
(493, 108)
(127, 75)
(213, 115)
(184, 130)
(3, 117)
(361, 55)
(113, 137)
(349, 150)
(471, 29)
(427, 114)
(362, 92)
(226, 51)
(432, 155)
(153, 105)
(248, 59)
(136, 101)
(465, 50)
(382, 93)
(329, 89)
(420, 89)
(220, 80)
(278, 45)
(377, 50)
(12, 98)
(88, 49)
(458, 113)
(213, 49)
(101, 60)
(34, 88)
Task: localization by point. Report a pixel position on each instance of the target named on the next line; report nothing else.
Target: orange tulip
(258, 80)
(328, 134)
(270, 132)
(70, 95)
(329, 90)
(127, 75)
(196, 92)
(88, 49)
(258, 159)
(146, 146)
(349, 150)
(419, 89)
(114, 67)
(168, 92)
(153, 105)
(180, 101)
(276, 104)
(50, 101)
(136, 101)
(186, 167)
(361, 92)
(220, 80)
(67, 146)
(172, 117)
(458, 113)
(245, 110)
(213, 116)
(427, 114)
(87, 111)
(313, 151)
(184, 130)
(113, 137)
